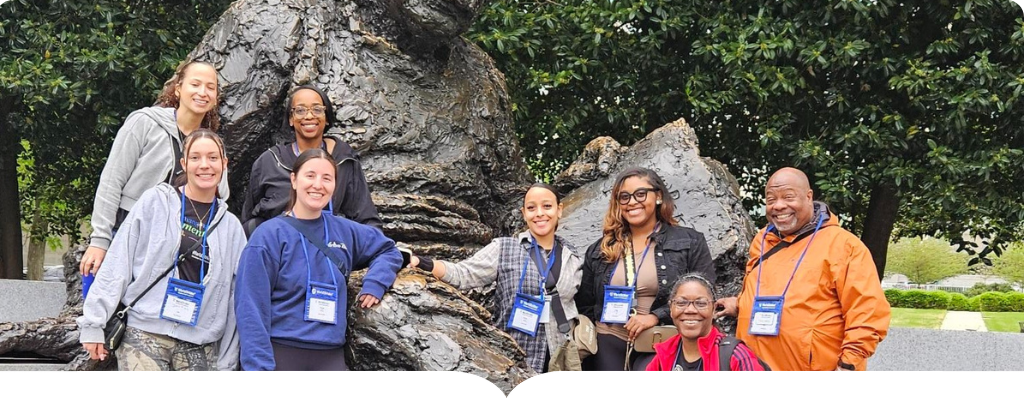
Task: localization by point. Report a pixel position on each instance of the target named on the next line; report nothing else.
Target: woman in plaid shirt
(521, 265)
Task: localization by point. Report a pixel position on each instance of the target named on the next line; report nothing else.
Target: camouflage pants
(144, 351)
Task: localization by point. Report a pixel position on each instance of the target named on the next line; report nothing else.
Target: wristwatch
(846, 366)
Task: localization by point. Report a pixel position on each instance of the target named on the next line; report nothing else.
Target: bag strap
(316, 241)
(181, 256)
(782, 245)
(725, 349)
(176, 166)
(556, 301)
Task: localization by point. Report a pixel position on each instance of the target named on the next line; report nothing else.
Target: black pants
(290, 358)
(611, 355)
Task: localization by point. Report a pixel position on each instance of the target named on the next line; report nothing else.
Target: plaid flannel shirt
(501, 261)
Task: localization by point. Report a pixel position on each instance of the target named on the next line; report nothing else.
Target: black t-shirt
(556, 267)
(683, 365)
(197, 220)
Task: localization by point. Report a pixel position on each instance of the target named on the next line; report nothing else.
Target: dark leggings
(290, 358)
(610, 356)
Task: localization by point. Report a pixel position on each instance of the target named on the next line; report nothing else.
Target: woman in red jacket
(703, 346)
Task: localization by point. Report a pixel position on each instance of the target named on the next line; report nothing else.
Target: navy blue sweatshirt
(270, 294)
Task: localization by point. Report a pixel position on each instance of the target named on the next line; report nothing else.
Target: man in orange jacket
(811, 299)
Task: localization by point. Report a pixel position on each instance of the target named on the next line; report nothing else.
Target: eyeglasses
(640, 195)
(700, 304)
(301, 111)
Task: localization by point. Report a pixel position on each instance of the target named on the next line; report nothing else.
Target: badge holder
(321, 303)
(182, 301)
(766, 316)
(526, 313)
(618, 303)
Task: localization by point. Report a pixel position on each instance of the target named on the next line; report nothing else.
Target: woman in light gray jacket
(146, 152)
(187, 320)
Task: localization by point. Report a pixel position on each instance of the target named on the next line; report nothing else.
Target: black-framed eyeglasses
(301, 111)
(700, 304)
(640, 195)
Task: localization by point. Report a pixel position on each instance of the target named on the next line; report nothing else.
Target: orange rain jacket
(834, 310)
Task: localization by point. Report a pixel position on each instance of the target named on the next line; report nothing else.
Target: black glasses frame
(640, 195)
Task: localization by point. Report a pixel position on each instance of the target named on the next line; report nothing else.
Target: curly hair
(167, 97)
(616, 229)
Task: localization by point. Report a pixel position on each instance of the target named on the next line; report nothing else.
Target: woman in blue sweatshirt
(291, 298)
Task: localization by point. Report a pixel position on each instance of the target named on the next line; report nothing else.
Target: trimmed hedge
(939, 299)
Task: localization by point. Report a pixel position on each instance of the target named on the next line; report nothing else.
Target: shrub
(958, 301)
(993, 302)
(895, 297)
(980, 288)
(919, 299)
(974, 303)
(1015, 301)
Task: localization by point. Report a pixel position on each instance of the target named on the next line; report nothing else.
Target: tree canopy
(69, 74)
(907, 115)
(925, 260)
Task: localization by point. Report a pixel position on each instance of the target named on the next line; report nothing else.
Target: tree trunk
(37, 244)
(882, 212)
(11, 266)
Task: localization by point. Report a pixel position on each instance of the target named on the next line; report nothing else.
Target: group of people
(267, 290)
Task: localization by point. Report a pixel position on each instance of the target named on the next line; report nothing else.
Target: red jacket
(743, 359)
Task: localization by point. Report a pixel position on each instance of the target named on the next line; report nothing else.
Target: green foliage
(975, 303)
(992, 287)
(74, 71)
(924, 260)
(993, 302)
(959, 302)
(919, 299)
(895, 297)
(1015, 302)
(1010, 264)
(937, 299)
(922, 96)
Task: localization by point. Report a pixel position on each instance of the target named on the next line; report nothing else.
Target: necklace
(202, 219)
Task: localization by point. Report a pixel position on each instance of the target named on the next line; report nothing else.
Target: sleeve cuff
(90, 335)
(100, 243)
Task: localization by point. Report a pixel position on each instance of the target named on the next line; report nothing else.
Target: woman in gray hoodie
(186, 321)
(146, 152)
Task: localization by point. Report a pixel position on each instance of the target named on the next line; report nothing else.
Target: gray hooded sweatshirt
(146, 245)
(140, 158)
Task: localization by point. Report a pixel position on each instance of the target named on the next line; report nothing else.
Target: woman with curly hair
(147, 151)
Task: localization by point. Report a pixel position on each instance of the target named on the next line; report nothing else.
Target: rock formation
(430, 117)
(706, 196)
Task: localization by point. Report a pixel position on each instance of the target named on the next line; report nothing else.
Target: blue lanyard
(309, 275)
(543, 274)
(323, 145)
(760, 258)
(643, 257)
(202, 261)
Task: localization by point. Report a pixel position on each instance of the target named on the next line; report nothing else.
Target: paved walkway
(956, 320)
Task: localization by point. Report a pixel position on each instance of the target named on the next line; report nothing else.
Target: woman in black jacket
(310, 113)
(628, 272)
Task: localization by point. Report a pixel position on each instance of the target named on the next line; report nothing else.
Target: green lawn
(1003, 321)
(918, 318)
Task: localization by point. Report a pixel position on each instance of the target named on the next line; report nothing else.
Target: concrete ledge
(26, 300)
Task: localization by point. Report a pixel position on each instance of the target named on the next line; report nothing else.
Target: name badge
(182, 301)
(766, 316)
(545, 315)
(618, 300)
(321, 303)
(526, 314)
